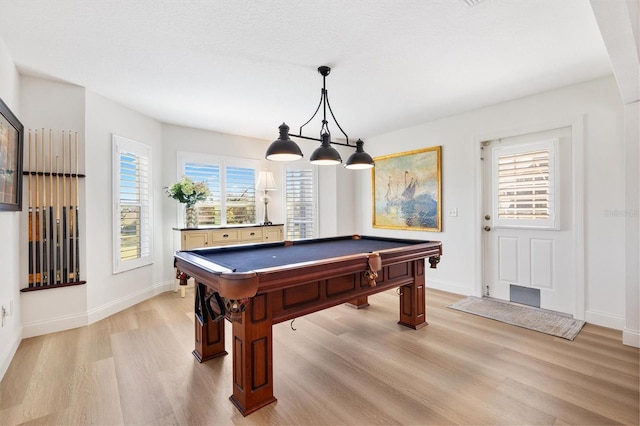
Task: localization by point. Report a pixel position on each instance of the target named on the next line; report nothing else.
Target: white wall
(42, 101)
(107, 292)
(95, 118)
(11, 330)
(599, 103)
(336, 195)
(631, 333)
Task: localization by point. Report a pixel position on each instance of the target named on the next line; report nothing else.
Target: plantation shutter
(231, 183)
(300, 204)
(240, 195)
(524, 185)
(132, 219)
(209, 210)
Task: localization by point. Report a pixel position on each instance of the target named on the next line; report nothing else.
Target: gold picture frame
(407, 190)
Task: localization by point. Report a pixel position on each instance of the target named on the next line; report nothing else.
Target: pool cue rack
(53, 190)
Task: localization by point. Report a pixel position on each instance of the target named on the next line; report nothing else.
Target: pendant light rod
(324, 102)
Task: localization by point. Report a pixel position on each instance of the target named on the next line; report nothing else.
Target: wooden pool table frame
(274, 295)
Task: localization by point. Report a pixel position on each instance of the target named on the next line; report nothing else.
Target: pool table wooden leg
(209, 341)
(413, 298)
(253, 357)
(358, 303)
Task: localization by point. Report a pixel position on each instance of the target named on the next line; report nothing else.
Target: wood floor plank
(53, 374)
(95, 397)
(563, 411)
(595, 395)
(341, 366)
(17, 379)
(138, 357)
(359, 385)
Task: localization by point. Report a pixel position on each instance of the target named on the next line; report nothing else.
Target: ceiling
(244, 66)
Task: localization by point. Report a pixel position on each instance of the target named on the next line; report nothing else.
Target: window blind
(209, 210)
(524, 187)
(231, 182)
(240, 194)
(132, 218)
(300, 204)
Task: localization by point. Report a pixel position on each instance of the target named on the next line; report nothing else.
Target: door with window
(527, 211)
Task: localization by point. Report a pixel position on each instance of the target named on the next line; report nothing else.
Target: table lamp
(266, 183)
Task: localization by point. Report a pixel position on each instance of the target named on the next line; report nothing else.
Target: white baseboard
(7, 355)
(450, 287)
(631, 337)
(123, 303)
(53, 325)
(604, 320)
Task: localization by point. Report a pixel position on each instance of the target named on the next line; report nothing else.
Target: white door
(527, 229)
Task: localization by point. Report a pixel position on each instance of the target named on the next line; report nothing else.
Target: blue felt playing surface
(251, 259)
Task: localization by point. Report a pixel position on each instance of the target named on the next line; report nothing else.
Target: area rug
(544, 321)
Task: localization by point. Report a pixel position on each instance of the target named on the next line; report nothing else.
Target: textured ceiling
(245, 66)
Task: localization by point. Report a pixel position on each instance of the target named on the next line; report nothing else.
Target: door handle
(487, 228)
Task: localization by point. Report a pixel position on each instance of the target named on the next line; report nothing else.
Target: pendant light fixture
(284, 149)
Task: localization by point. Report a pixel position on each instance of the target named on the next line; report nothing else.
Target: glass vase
(190, 217)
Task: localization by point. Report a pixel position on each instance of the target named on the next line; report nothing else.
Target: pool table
(257, 285)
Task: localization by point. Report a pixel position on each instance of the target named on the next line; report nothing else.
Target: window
(132, 224)
(524, 185)
(240, 195)
(231, 182)
(300, 202)
(209, 209)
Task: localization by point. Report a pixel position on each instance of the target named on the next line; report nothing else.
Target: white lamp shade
(266, 182)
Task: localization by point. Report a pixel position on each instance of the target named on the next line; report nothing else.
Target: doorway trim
(577, 183)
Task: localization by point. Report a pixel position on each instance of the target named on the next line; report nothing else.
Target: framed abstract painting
(407, 190)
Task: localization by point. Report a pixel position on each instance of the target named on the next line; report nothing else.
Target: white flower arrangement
(187, 192)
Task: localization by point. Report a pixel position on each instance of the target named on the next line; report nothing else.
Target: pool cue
(71, 214)
(45, 242)
(30, 218)
(64, 268)
(37, 276)
(51, 240)
(58, 257)
(77, 273)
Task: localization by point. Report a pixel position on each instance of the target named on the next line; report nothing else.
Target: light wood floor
(341, 366)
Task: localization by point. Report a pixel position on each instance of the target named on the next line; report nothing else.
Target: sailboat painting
(407, 190)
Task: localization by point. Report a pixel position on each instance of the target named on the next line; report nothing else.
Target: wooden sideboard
(189, 239)
(214, 237)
